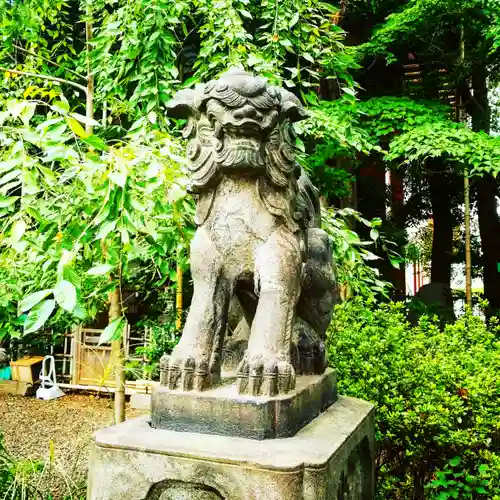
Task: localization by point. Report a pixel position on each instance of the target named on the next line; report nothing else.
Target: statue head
(239, 123)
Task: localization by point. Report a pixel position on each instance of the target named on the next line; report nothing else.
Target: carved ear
(291, 107)
(183, 105)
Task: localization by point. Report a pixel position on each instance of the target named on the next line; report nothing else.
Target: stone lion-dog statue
(258, 239)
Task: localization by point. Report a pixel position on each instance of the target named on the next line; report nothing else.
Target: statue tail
(308, 201)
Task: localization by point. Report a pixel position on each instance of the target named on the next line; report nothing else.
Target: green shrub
(44, 479)
(163, 337)
(437, 398)
(16, 476)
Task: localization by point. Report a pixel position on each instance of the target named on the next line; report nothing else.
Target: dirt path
(61, 429)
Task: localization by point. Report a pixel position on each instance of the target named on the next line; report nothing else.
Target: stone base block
(329, 459)
(140, 401)
(225, 412)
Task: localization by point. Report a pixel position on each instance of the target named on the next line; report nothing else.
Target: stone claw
(242, 376)
(286, 377)
(261, 376)
(270, 382)
(185, 373)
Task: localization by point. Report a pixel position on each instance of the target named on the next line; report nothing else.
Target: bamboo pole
(89, 110)
(117, 358)
(468, 260)
(178, 298)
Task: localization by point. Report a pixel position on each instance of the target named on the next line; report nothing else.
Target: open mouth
(241, 142)
(244, 129)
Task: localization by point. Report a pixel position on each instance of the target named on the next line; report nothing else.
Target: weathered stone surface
(258, 239)
(140, 401)
(223, 411)
(437, 297)
(329, 459)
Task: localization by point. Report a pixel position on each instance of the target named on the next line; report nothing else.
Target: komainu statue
(258, 240)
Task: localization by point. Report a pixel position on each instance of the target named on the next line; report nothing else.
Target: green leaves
(17, 231)
(38, 316)
(294, 20)
(100, 270)
(85, 120)
(75, 126)
(83, 214)
(113, 331)
(33, 299)
(40, 309)
(437, 404)
(119, 178)
(105, 229)
(7, 201)
(95, 142)
(453, 483)
(65, 295)
(61, 107)
(352, 255)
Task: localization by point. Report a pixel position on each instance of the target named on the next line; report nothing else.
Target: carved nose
(247, 111)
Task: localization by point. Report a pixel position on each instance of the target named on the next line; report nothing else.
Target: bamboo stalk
(118, 359)
(468, 260)
(90, 78)
(178, 298)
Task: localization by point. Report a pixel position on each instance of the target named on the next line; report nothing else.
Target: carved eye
(211, 118)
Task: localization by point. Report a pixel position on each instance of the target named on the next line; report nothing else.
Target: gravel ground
(32, 428)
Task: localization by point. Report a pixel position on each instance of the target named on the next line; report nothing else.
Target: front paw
(260, 375)
(186, 371)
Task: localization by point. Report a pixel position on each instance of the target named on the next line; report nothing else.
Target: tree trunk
(487, 188)
(371, 188)
(442, 237)
(371, 195)
(489, 230)
(398, 276)
(118, 358)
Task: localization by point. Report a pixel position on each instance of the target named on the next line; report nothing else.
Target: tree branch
(22, 49)
(45, 77)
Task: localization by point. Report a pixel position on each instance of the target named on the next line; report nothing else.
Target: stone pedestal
(331, 458)
(223, 411)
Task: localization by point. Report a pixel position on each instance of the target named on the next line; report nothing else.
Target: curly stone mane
(239, 123)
